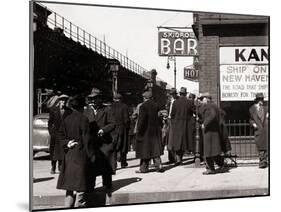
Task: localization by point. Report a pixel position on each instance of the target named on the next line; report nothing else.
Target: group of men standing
(87, 140)
(91, 138)
(181, 136)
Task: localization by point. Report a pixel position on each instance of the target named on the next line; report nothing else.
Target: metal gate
(242, 141)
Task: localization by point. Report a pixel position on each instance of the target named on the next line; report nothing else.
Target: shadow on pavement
(38, 180)
(99, 197)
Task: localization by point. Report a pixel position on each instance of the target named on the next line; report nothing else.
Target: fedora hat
(53, 101)
(95, 92)
(77, 101)
(173, 91)
(259, 96)
(205, 94)
(147, 94)
(63, 96)
(183, 90)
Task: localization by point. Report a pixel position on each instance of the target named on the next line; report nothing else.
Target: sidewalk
(177, 183)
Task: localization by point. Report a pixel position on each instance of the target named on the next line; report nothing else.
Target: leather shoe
(141, 172)
(222, 169)
(160, 170)
(208, 172)
(178, 163)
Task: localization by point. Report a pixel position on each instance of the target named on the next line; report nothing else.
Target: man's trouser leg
(157, 163)
(107, 181)
(179, 155)
(171, 156)
(219, 160)
(53, 164)
(124, 160)
(210, 163)
(144, 163)
(69, 199)
(262, 159)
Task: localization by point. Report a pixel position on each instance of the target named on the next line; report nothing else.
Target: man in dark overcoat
(259, 121)
(182, 112)
(148, 137)
(56, 116)
(173, 96)
(211, 135)
(121, 133)
(73, 136)
(102, 124)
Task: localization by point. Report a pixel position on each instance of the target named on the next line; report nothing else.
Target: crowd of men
(88, 138)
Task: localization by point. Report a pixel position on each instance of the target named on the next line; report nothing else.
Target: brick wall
(208, 57)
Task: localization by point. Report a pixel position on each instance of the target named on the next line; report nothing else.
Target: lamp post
(197, 66)
(173, 58)
(114, 66)
(197, 136)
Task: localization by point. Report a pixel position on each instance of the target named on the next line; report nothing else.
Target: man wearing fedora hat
(148, 136)
(212, 145)
(76, 175)
(182, 111)
(56, 116)
(173, 96)
(102, 124)
(259, 121)
(121, 133)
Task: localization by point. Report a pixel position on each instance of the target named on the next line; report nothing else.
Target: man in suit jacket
(57, 115)
(259, 121)
(102, 124)
(182, 112)
(121, 133)
(148, 137)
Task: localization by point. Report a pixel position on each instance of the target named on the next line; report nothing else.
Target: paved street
(177, 183)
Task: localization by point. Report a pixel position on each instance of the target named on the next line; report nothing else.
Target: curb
(100, 199)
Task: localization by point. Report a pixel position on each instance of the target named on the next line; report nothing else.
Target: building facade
(231, 81)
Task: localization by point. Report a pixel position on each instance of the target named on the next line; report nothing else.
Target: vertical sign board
(243, 72)
(177, 43)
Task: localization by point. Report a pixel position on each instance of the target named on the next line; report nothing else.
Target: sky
(133, 32)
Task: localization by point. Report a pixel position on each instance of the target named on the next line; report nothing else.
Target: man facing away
(121, 133)
(173, 96)
(182, 112)
(148, 137)
(212, 145)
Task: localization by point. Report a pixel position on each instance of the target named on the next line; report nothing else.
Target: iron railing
(242, 141)
(76, 33)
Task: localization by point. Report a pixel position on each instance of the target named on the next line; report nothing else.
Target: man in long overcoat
(56, 116)
(75, 175)
(121, 133)
(212, 145)
(182, 112)
(173, 96)
(148, 137)
(102, 124)
(259, 121)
